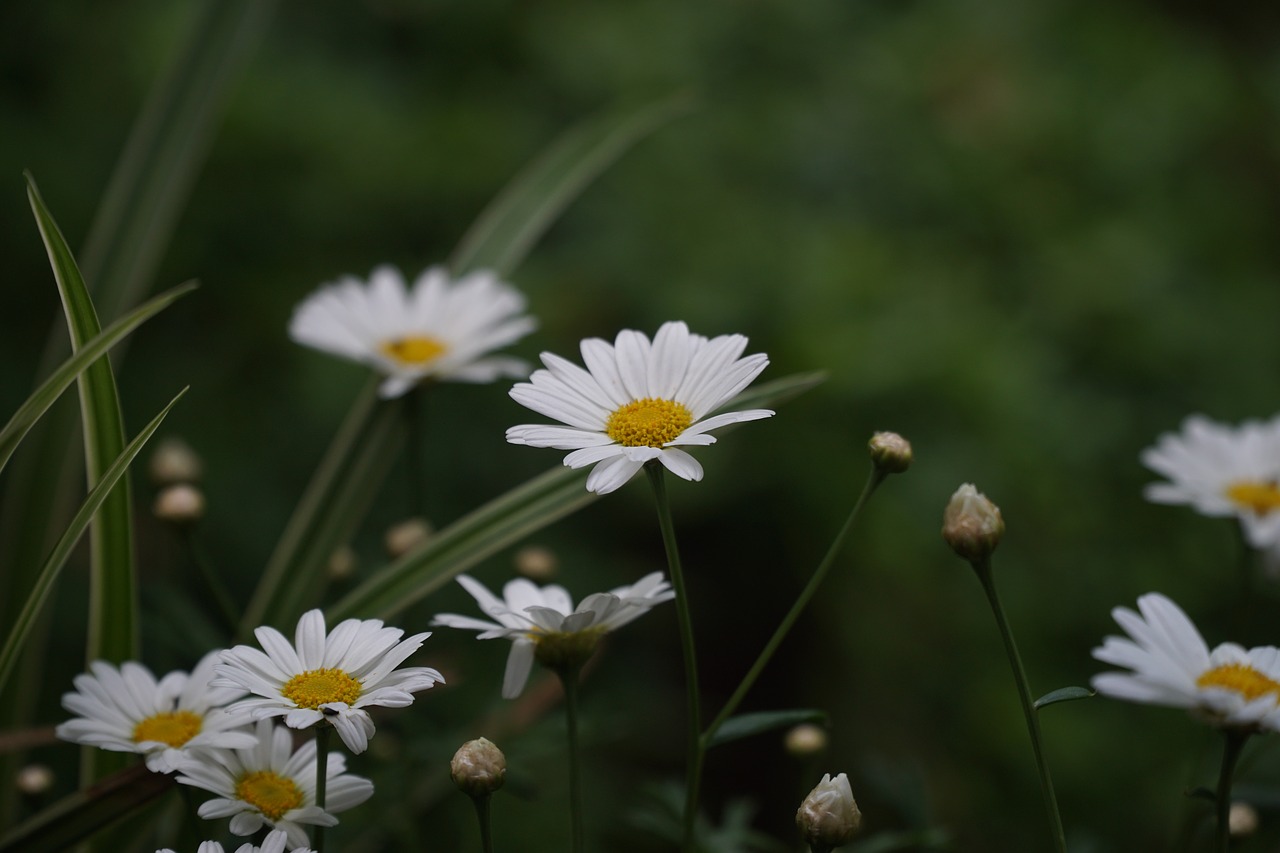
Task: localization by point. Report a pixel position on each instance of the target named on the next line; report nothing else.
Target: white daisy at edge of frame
(270, 784)
(127, 710)
(1171, 665)
(1222, 471)
(439, 328)
(529, 615)
(273, 843)
(637, 401)
(327, 676)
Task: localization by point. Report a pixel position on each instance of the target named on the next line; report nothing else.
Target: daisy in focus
(439, 328)
(637, 401)
(273, 843)
(543, 623)
(1222, 471)
(269, 784)
(1171, 665)
(326, 676)
(127, 710)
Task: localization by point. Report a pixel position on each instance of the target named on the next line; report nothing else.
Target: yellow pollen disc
(1241, 678)
(270, 793)
(174, 728)
(650, 422)
(316, 687)
(1260, 497)
(414, 350)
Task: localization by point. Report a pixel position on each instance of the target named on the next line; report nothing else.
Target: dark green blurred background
(1028, 236)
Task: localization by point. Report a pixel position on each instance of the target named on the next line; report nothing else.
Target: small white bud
(34, 780)
(174, 462)
(342, 563)
(179, 504)
(1242, 820)
(890, 452)
(805, 739)
(402, 538)
(478, 768)
(536, 562)
(972, 524)
(828, 817)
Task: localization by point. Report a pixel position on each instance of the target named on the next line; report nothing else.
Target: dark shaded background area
(1029, 237)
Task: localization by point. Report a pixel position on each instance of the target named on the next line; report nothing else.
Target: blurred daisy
(331, 677)
(269, 784)
(1171, 665)
(637, 401)
(543, 622)
(127, 710)
(273, 843)
(441, 328)
(1222, 471)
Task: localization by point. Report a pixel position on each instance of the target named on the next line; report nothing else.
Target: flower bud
(342, 563)
(536, 562)
(174, 462)
(34, 780)
(805, 739)
(1242, 820)
(890, 452)
(179, 504)
(402, 538)
(478, 768)
(972, 524)
(828, 817)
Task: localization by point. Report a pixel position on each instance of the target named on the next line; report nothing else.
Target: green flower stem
(694, 745)
(482, 815)
(323, 731)
(1231, 749)
(877, 477)
(221, 596)
(983, 569)
(414, 403)
(569, 678)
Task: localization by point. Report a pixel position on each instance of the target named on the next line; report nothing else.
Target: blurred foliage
(1029, 237)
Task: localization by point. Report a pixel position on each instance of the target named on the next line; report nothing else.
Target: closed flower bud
(805, 739)
(179, 504)
(828, 817)
(34, 780)
(536, 562)
(890, 452)
(972, 524)
(174, 462)
(402, 538)
(1242, 820)
(478, 768)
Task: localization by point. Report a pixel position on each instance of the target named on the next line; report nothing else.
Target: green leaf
(78, 816)
(57, 559)
(746, 725)
(49, 391)
(513, 222)
(1064, 694)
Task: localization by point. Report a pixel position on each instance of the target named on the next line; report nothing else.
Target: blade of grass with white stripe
(52, 567)
(49, 391)
(505, 521)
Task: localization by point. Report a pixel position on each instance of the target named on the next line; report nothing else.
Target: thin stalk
(482, 816)
(221, 596)
(322, 775)
(877, 477)
(694, 749)
(1231, 749)
(983, 569)
(569, 678)
(415, 419)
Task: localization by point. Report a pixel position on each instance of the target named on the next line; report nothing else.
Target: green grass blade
(49, 391)
(52, 567)
(112, 597)
(518, 216)
(505, 521)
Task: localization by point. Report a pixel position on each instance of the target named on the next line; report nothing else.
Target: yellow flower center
(270, 793)
(317, 687)
(650, 422)
(173, 728)
(1241, 678)
(1260, 497)
(413, 350)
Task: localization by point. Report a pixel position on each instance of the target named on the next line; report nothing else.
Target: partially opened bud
(890, 452)
(828, 817)
(972, 524)
(180, 504)
(478, 768)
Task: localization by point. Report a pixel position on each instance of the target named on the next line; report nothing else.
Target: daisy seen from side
(542, 622)
(638, 400)
(327, 676)
(1170, 664)
(271, 784)
(440, 327)
(273, 843)
(126, 709)
(1222, 471)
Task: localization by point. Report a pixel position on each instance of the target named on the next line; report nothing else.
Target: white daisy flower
(545, 623)
(637, 401)
(273, 843)
(1171, 665)
(441, 328)
(127, 710)
(269, 784)
(331, 677)
(1222, 471)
